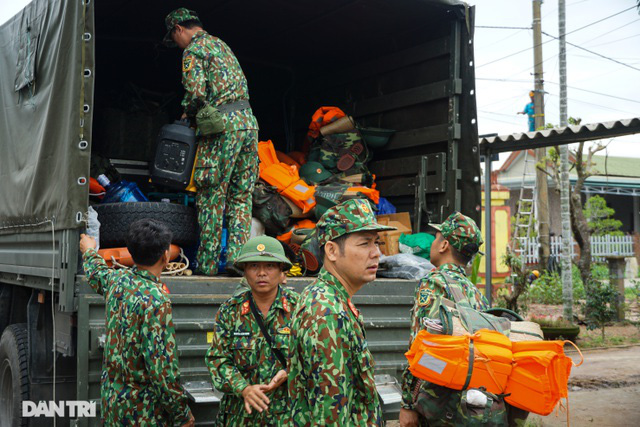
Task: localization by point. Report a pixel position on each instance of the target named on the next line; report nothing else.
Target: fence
(601, 247)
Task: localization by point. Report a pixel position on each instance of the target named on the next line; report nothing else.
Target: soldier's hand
(87, 242)
(254, 397)
(278, 379)
(408, 418)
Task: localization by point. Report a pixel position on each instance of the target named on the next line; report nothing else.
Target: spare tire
(115, 219)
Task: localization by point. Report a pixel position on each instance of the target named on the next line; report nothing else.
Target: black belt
(234, 106)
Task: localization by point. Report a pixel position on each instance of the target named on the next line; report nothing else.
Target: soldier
(457, 240)
(140, 374)
(227, 162)
(330, 367)
(245, 363)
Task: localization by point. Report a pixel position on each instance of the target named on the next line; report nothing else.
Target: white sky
(502, 86)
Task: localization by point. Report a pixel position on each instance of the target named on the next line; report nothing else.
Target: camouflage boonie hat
(462, 233)
(173, 19)
(346, 218)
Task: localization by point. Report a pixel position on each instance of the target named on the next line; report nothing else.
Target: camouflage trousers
(226, 172)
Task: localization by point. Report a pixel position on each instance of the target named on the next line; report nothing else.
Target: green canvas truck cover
(44, 122)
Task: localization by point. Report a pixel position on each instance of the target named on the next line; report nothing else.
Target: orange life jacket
(540, 375)
(123, 257)
(462, 361)
(285, 178)
(322, 117)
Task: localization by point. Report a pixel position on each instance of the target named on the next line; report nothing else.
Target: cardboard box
(402, 221)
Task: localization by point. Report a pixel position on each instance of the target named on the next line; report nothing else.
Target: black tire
(115, 219)
(14, 374)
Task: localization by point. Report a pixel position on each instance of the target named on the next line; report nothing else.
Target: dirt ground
(603, 391)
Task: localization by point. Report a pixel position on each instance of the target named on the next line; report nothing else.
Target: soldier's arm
(427, 294)
(96, 271)
(161, 360)
(325, 354)
(194, 82)
(219, 359)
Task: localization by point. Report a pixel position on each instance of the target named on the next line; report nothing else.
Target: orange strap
(579, 352)
(484, 359)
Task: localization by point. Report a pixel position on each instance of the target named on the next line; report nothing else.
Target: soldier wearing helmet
(247, 358)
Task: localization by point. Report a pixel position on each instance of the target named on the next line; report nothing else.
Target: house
(617, 179)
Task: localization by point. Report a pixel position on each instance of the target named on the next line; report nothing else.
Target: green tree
(599, 217)
(599, 308)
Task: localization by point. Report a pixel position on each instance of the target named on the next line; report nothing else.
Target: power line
(610, 31)
(597, 93)
(598, 21)
(595, 105)
(594, 53)
(615, 41)
(496, 27)
(570, 32)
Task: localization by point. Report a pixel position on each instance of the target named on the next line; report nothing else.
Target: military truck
(84, 78)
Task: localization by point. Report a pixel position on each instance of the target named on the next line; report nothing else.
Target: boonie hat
(462, 233)
(173, 19)
(345, 218)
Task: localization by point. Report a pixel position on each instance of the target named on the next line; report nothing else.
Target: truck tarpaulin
(45, 88)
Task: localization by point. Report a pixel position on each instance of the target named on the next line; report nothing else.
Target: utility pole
(542, 199)
(565, 186)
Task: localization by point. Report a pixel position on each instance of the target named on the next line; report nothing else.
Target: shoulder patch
(425, 296)
(187, 63)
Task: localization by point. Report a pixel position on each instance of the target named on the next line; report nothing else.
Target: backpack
(270, 208)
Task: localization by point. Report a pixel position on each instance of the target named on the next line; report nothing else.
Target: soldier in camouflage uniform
(140, 374)
(241, 361)
(227, 163)
(458, 239)
(331, 378)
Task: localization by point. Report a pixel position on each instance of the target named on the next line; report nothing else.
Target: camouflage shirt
(211, 74)
(428, 291)
(240, 356)
(140, 375)
(330, 367)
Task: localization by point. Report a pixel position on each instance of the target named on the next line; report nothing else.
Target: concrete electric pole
(565, 186)
(542, 199)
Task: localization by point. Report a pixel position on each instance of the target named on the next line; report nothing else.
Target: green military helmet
(262, 249)
(314, 173)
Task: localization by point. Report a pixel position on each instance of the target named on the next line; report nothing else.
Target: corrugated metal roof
(559, 136)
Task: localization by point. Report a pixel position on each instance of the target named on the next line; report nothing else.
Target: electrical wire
(542, 43)
(616, 41)
(592, 52)
(496, 27)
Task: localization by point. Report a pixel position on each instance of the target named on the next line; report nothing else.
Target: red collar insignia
(164, 288)
(285, 305)
(245, 308)
(353, 307)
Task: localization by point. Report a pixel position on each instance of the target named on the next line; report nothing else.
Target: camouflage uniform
(227, 163)
(331, 379)
(140, 375)
(240, 356)
(444, 405)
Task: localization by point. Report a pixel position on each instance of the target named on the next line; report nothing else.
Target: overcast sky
(599, 90)
(504, 77)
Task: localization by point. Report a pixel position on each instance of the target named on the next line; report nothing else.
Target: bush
(547, 289)
(599, 308)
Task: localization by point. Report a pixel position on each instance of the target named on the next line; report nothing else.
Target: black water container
(175, 154)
